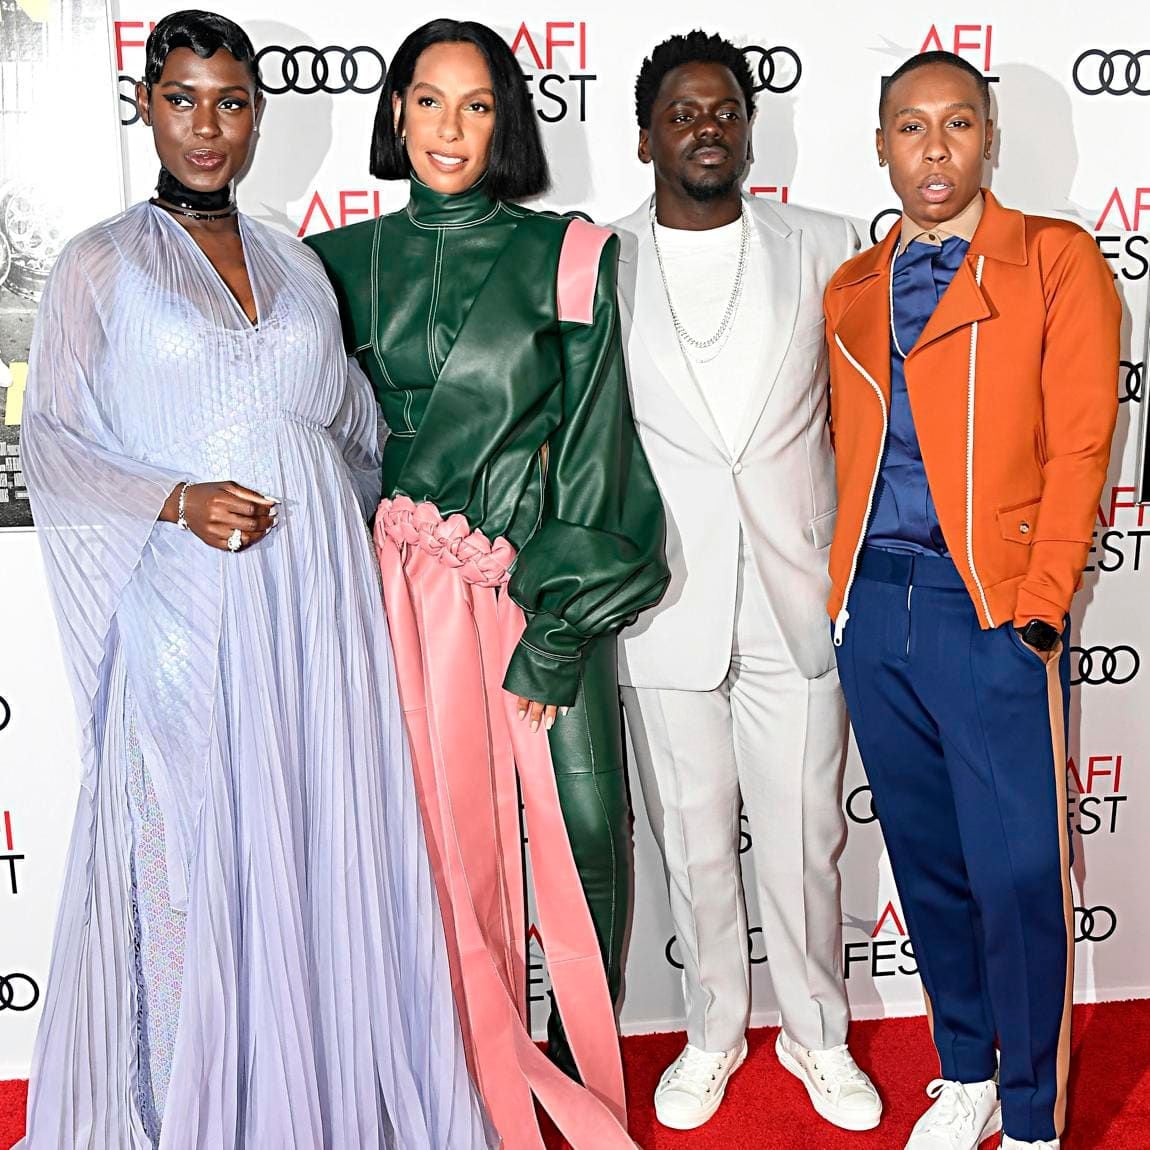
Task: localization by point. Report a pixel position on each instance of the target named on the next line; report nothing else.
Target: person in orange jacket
(974, 358)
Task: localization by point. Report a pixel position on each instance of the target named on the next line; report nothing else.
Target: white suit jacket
(778, 485)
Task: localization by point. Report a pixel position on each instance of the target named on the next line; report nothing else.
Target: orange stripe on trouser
(1058, 735)
(453, 634)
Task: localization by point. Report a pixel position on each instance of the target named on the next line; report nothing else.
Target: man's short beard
(705, 193)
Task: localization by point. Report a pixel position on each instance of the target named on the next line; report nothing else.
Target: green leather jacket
(501, 411)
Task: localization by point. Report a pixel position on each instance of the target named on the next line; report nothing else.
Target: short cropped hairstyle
(517, 166)
(695, 48)
(925, 60)
(205, 33)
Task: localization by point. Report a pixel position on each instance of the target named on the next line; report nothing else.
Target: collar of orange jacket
(1000, 235)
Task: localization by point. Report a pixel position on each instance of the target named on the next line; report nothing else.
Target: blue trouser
(962, 734)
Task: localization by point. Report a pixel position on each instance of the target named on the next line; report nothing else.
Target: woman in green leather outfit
(520, 529)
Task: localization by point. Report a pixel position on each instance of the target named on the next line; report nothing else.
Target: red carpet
(766, 1109)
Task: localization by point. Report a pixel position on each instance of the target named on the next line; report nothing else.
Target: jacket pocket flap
(823, 528)
(1020, 522)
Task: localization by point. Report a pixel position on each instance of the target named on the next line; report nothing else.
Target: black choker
(184, 201)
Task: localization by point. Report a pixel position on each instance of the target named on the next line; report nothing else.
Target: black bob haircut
(205, 33)
(695, 48)
(925, 60)
(517, 166)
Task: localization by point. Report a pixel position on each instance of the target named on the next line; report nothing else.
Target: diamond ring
(235, 540)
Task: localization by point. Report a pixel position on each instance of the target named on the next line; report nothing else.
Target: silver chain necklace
(732, 303)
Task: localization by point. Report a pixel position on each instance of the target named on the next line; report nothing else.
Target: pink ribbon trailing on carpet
(453, 630)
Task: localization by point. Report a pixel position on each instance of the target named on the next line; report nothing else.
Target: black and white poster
(60, 171)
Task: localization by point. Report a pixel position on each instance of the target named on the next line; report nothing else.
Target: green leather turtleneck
(428, 208)
(503, 412)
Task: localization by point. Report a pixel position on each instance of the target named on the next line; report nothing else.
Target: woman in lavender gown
(249, 952)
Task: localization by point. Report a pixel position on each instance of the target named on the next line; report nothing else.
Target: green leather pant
(587, 751)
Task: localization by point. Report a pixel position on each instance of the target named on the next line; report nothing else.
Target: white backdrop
(1060, 150)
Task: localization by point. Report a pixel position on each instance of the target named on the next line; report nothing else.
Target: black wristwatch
(1039, 635)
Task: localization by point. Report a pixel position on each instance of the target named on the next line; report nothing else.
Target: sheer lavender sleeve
(359, 431)
(94, 506)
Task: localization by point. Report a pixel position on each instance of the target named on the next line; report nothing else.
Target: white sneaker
(963, 1114)
(1009, 1143)
(693, 1086)
(838, 1089)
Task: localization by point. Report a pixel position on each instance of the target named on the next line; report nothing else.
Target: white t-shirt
(701, 267)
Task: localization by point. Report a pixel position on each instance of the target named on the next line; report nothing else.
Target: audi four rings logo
(775, 69)
(1094, 923)
(1118, 73)
(1131, 388)
(860, 805)
(757, 954)
(308, 70)
(18, 992)
(1097, 665)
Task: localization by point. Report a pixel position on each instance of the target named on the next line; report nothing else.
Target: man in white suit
(730, 685)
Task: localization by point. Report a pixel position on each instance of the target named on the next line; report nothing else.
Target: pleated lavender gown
(249, 952)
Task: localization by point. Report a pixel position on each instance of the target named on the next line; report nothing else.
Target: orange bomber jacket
(1013, 388)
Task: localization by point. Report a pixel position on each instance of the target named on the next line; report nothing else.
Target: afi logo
(889, 915)
(338, 209)
(129, 34)
(1126, 209)
(9, 856)
(538, 983)
(1124, 213)
(1118, 538)
(971, 41)
(1094, 794)
(780, 192)
(1122, 499)
(882, 957)
(550, 41)
(538, 50)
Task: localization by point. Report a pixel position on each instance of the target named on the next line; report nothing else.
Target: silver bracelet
(181, 522)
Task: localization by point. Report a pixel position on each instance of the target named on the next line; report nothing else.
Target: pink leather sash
(453, 634)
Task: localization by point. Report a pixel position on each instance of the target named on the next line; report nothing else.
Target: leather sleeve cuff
(544, 678)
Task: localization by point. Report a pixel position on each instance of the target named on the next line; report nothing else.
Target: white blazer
(778, 485)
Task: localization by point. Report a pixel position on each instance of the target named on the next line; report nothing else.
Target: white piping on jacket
(844, 613)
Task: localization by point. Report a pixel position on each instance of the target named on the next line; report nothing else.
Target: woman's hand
(539, 713)
(214, 510)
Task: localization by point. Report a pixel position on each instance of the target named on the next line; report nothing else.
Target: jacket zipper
(970, 455)
(844, 614)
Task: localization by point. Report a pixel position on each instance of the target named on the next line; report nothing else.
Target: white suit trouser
(778, 740)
